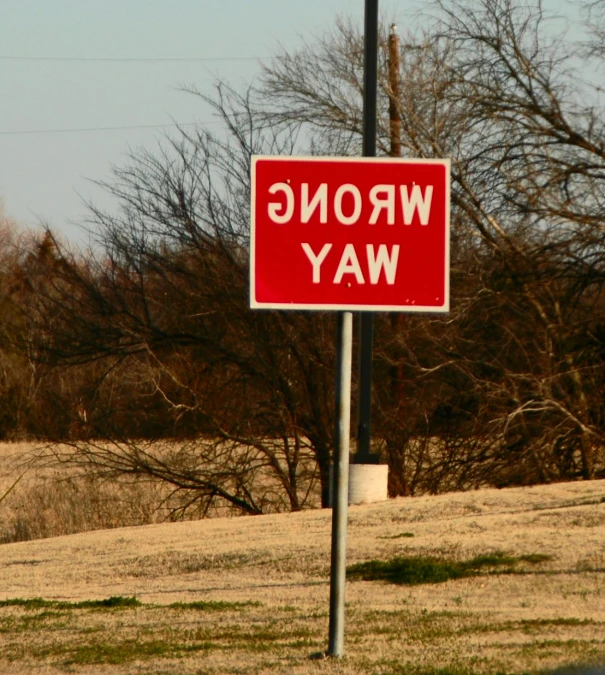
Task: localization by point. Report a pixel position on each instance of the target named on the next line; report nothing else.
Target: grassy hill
(250, 595)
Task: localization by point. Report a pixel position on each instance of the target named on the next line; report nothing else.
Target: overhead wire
(78, 59)
(83, 59)
(120, 60)
(92, 129)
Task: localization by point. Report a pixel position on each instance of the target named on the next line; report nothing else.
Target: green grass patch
(253, 638)
(559, 621)
(131, 650)
(214, 605)
(115, 602)
(415, 570)
(397, 668)
(410, 571)
(32, 603)
(120, 602)
(402, 535)
(46, 620)
(535, 558)
(431, 627)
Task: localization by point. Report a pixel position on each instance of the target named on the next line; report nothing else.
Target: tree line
(148, 336)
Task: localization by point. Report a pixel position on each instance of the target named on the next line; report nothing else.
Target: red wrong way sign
(335, 233)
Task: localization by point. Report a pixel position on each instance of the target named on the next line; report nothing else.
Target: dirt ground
(270, 575)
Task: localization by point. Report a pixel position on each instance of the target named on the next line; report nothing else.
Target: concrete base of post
(367, 483)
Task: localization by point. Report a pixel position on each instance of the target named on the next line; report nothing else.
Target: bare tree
(506, 389)
(519, 361)
(163, 310)
(594, 12)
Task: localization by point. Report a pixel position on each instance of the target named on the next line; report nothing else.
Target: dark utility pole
(366, 319)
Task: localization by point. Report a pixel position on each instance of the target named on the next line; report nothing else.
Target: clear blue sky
(43, 175)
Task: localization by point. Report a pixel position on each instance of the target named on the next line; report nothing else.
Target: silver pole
(340, 481)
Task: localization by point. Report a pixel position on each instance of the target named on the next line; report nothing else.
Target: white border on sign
(343, 306)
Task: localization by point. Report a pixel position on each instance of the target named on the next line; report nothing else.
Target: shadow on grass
(415, 570)
(578, 669)
(413, 669)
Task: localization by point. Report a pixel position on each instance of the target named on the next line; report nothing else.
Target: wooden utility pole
(397, 319)
(394, 117)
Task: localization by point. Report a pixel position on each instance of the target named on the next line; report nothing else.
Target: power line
(93, 129)
(78, 59)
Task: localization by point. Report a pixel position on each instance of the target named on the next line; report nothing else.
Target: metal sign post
(347, 234)
(340, 477)
(341, 467)
(366, 323)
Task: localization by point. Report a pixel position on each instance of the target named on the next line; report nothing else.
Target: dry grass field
(250, 595)
(42, 496)
(38, 500)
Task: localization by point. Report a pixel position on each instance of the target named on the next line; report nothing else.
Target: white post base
(367, 483)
